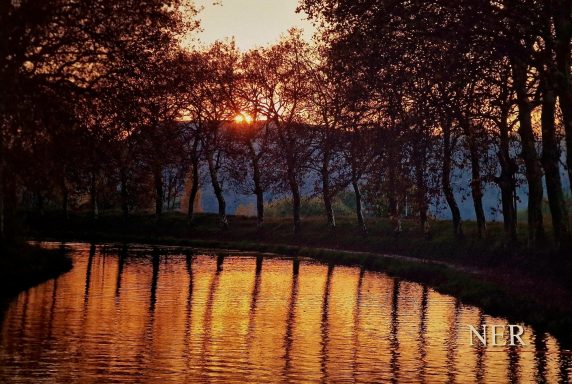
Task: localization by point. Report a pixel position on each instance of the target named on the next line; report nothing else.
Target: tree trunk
(476, 187)
(529, 154)
(327, 193)
(124, 195)
(563, 28)
(40, 199)
(194, 190)
(551, 161)
(93, 191)
(446, 181)
(423, 216)
(158, 180)
(295, 189)
(393, 206)
(218, 192)
(328, 206)
(506, 181)
(5, 7)
(2, 195)
(258, 189)
(10, 203)
(65, 197)
(359, 210)
(422, 204)
(169, 193)
(259, 209)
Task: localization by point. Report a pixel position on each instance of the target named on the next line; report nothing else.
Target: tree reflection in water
(142, 317)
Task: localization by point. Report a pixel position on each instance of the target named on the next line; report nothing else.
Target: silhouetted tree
(283, 75)
(212, 109)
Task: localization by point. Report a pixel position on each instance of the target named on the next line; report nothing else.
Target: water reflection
(290, 323)
(480, 351)
(127, 316)
(120, 264)
(253, 302)
(188, 310)
(564, 368)
(393, 338)
(88, 275)
(156, 262)
(421, 335)
(324, 325)
(357, 325)
(451, 343)
(540, 357)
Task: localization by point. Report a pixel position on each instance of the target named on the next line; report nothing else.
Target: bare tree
(282, 75)
(212, 109)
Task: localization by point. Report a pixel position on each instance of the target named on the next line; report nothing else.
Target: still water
(133, 315)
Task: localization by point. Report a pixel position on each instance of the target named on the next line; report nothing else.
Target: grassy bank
(490, 252)
(530, 285)
(23, 266)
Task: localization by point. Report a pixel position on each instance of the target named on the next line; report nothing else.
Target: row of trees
(287, 134)
(102, 101)
(489, 74)
(75, 78)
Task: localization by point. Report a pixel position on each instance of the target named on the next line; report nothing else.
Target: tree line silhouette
(102, 103)
(483, 75)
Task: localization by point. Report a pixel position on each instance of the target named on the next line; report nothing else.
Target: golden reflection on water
(128, 316)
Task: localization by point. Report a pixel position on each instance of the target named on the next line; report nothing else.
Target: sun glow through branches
(243, 118)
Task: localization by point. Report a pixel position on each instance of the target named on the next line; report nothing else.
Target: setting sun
(243, 118)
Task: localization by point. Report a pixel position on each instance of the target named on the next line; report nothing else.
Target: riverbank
(23, 266)
(529, 285)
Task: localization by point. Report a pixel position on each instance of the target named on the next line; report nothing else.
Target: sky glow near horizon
(252, 23)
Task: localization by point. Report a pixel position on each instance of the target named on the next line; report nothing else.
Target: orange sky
(252, 22)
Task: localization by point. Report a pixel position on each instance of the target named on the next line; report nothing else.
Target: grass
(442, 246)
(524, 284)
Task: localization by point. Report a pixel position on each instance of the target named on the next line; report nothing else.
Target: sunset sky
(252, 22)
